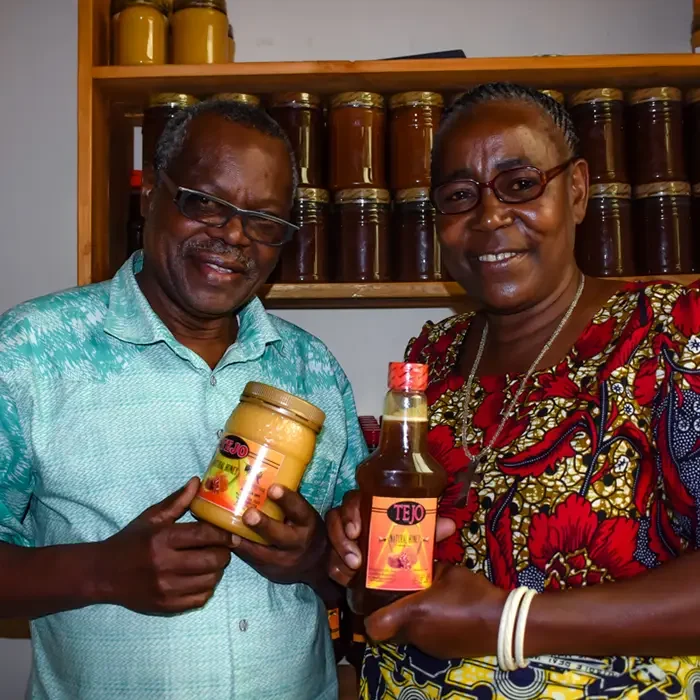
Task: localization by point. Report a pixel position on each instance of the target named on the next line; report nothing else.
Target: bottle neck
(405, 423)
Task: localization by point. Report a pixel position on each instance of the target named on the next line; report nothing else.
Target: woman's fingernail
(275, 492)
(252, 517)
(352, 560)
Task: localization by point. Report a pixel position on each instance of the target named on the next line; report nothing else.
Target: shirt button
(243, 625)
(212, 380)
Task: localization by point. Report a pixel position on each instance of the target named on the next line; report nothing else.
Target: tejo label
(401, 543)
(240, 474)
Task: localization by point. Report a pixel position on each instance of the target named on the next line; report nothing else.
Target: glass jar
(243, 97)
(305, 257)
(415, 237)
(598, 116)
(693, 131)
(161, 109)
(555, 95)
(269, 438)
(414, 119)
(301, 117)
(604, 237)
(357, 141)
(200, 31)
(663, 223)
(657, 135)
(139, 32)
(695, 216)
(363, 220)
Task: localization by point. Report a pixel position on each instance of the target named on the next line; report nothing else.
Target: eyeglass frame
(177, 191)
(547, 177)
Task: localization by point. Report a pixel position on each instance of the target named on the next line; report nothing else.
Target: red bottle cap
(136, 179)
(408, 376)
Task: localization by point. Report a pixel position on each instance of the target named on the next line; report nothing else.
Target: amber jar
(663, 224)
(599, 118)
(139, 32)
(301, 116)
(414, 119)
(161, 109)
(305, 257)
(200, 31)
(357, 141)
(657, 135)
(555, 95)
(363, 221)
(243, 97)
(604, 237)
(692, 123)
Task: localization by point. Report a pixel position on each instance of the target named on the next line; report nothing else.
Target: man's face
(210, 272)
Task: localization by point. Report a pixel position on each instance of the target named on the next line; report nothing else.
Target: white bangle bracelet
(506, 629)
(520, 628)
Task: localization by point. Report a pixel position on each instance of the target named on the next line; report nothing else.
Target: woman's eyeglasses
(515, 186)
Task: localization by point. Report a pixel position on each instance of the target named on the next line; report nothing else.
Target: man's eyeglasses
(212, 211)
(515, 186)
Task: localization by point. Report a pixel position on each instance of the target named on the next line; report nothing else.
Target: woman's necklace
(466, 417)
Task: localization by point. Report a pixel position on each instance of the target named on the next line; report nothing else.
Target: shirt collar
(131, 319)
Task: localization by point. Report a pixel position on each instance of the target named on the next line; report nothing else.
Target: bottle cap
(408, 376)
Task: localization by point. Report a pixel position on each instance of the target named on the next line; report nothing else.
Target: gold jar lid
(363, 194)
(313, 194)
(118, 5)
(616, 190)
(416, 99)
(219, 5)
(368, 100)
(596, 95)
(555, 95)
(662, 189)
(664, 94)
(242, 97)
(286, 403)
(693, 96)
(172, 99)
(413, 194)
(295, 99)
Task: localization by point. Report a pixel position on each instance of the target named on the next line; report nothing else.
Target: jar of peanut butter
(270, 438)
(139, 32)
(200, 31)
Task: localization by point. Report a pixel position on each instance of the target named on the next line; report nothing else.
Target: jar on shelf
(555, 95)
(300, 114)
(363, 221)
(415, 241)
(357, 141)
(414, 119)
(200, 31)
(162, 107)
(604, 238)
(139, 32)
(657, 135)
(305, 257)
(693, 131)
(599, 118)
(243, 97)
(663, 224)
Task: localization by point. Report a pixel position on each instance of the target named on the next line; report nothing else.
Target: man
(111, 398)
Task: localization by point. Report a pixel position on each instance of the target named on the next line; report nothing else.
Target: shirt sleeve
(16, 474)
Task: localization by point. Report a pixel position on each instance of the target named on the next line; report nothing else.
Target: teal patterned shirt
(102, 414)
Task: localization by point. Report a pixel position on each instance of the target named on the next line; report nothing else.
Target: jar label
(401, 542)
(240, 474)
(334, 623)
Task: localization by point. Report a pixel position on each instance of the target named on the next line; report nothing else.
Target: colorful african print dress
(595, 478)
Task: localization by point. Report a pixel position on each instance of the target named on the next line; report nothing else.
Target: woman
(567, 414)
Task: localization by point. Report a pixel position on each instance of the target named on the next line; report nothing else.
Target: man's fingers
(350, 515)
(295, 507)
(174, 506)
(197, 535)
(388, 623)
(346, 549)
(445, 528)
(277, 534)
(338, 571)
(201, 561)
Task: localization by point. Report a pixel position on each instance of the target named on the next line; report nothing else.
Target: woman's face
(538, 236)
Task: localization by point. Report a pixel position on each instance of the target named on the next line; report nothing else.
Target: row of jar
(154, 32)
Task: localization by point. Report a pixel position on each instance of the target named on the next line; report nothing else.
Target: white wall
(38, 132)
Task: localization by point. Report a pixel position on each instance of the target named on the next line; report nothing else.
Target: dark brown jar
(693, 131)
(363, 220)
(599, 118)
(242, 97)
(555, 95)
(161, 109)
(656, 141)
(604, 237)
(305, 257)
(301, 117)
(663, 223)
(414, 119)
(357, 141)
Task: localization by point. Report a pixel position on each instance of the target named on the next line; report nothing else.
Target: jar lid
(172, 99)
(668, 94)
(313, 194)
(358, 99)
(555, 95)
(693, 96)
(295, 99)
(363, 194)
(596, 95)
(414, 194)
(617, 190)
(289, 403)
(237, 97)
(661, 189)
(118, 5)
(416, 99)
(211, 4)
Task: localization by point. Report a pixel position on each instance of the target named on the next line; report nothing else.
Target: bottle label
(334, 623)
(401, 542)
(240, 474)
